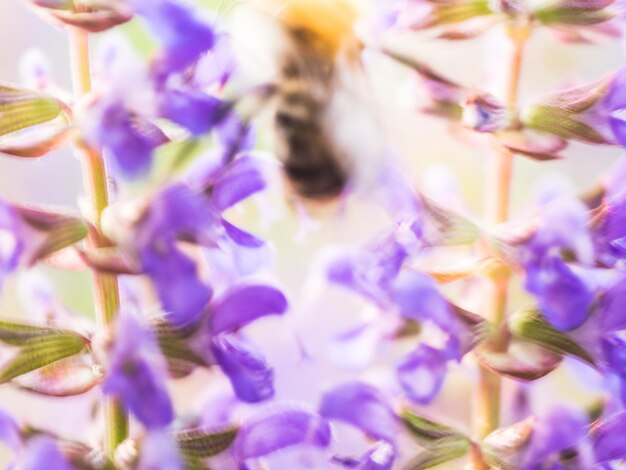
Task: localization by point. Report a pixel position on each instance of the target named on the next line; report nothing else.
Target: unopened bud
(484, 113)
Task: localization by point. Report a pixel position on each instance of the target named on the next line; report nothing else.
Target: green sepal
(175, 346)
(457, 12)
(529, 324)
(21, 108)
(552, 15)
(561, 123)
(17, 333)
(425, 431)
(203, 443)
(444, 450)
(64, 378)
(445, 227)
(42, 351)
(36, 141)
(523, 360)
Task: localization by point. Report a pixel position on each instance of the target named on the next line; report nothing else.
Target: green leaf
(21, 108)
(41, 351)
(427, 432)
(442, 451)
(202, 443)
(529, 324)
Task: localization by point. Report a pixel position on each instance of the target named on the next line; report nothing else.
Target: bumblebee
(323, 121)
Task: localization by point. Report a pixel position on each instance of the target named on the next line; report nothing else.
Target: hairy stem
(106, 292)
(497, 201)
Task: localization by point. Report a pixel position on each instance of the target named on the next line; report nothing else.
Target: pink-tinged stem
(497, 201)
(106, 292)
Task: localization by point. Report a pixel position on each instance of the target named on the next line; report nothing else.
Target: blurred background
(435, 159)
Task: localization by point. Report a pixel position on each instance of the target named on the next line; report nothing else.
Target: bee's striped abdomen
(310, 163)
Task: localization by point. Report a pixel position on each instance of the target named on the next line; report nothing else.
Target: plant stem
(106, 292)
(497, 201)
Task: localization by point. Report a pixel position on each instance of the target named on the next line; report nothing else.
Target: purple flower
(183, 33)
(136, 374)
(12, 239)
(250, 376)
(422, 372)
(155, 233)
(418, 298)
(565, 291)
(379, 457)
(278, 429)
(377, 272)
(366, 408)
(362, 406)
(43, 452)
(29, 235)
(608, 439)
(564, 296)
(10, 433)
(560, 429)
(159, 450)
(195, 111)
(370, 271)
(216, 67)
(610, 233)
(127, 142)
(614, 348)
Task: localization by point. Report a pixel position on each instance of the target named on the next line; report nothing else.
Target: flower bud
(91, 15)
(484, 113)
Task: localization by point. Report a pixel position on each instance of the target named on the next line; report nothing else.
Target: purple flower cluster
(175, 137)
(381, 273)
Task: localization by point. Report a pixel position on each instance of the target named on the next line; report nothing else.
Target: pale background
(424, 142)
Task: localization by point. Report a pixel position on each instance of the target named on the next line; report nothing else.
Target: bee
(325, 128)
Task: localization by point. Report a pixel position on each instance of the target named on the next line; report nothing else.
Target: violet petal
(250, 375)
(274, 430)
(363, 406)
(242, 179)
(136, 376)
(242, 305)
(422, 372)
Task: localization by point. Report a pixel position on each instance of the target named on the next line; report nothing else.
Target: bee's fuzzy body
(319, 78)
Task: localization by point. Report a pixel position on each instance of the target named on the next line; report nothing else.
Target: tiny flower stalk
(497, 199)
(106, 291)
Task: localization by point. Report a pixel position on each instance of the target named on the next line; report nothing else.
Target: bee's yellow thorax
(330, 23)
